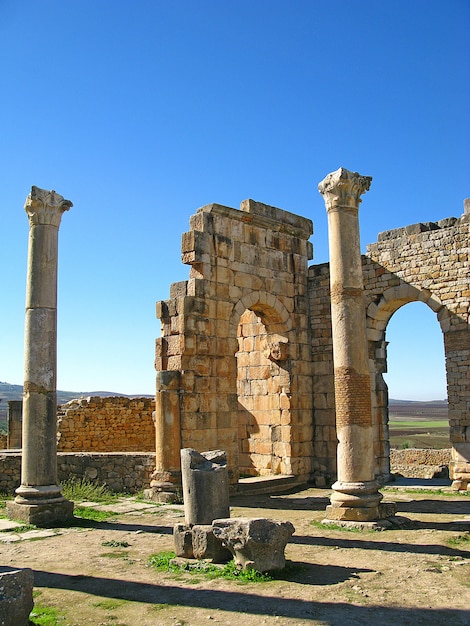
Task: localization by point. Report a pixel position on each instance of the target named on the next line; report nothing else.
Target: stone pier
(39, 500)
(355, 497)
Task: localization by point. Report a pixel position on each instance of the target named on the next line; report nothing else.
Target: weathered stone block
(207, 546)
(183, 541)
(16, 596)
(255, 543)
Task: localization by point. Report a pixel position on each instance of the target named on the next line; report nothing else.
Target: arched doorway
(380, 330)
(416, 379)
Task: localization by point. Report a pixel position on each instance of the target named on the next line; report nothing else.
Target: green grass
(428, 492)
(333, 526)
(164, 562)
(431, 424)
(92, 514)
(46, 616)
(110, 604)
(82, 489)
(460, 540)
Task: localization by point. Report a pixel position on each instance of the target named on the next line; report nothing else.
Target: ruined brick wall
(114, 424)
(428, 263)
(324, 439)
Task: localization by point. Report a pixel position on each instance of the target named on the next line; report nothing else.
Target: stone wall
(123, 472)
(114, 424)
(428, 263)
(250, 260)
(417, 463)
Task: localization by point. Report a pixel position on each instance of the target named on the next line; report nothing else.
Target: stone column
(165, 484)
(39, 500)
(355, 497)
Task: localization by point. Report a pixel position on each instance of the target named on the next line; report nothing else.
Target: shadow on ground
(250, 603)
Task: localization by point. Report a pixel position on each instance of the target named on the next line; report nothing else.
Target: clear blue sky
(141, 111)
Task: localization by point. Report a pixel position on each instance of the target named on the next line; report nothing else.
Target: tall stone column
(39, 500)
(355, 497)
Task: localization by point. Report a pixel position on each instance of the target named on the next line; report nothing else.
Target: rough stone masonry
(245, 361)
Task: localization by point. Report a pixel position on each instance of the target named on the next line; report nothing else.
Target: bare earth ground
(403, 576)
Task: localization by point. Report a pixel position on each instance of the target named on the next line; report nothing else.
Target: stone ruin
(264, 356)
(209, 532)
(245, 359)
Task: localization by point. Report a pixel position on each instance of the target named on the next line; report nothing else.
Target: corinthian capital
(45, 207)
(343, 189)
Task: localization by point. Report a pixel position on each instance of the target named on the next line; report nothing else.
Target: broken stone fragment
(257, 544)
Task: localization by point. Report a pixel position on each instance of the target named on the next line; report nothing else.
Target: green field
(419, 425)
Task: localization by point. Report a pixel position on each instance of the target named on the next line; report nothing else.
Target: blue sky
(140, 112)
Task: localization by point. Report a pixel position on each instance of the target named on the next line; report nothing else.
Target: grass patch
(428, 492)
(165, 562)
(110, 604)
(92, 514)
(46, 616)
(333, 526)
(159, 607)
(418, 424)
(81, 489)
(115, 555)
(460, 540)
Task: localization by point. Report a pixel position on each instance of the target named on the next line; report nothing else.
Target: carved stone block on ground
(255, 543)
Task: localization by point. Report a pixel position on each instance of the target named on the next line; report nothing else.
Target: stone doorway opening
(415, 395)
(263, 388)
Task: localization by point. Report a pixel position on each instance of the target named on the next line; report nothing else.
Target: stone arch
(378, 316)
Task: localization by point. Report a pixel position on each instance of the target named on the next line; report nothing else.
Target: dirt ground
(417, 575)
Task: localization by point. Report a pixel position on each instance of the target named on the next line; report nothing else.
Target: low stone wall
(113, 424)
(419, 463)
(121, 472)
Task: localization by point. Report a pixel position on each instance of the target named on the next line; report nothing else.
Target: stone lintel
(264, 216)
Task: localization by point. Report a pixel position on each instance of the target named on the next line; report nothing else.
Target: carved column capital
(45, 207)
(343, 189)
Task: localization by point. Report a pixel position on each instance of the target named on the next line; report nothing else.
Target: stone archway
(379, 315)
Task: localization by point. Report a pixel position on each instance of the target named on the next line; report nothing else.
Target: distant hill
(417, 403)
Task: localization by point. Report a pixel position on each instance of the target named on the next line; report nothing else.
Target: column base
(47, 514)
(380, 517)
(165, 487)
